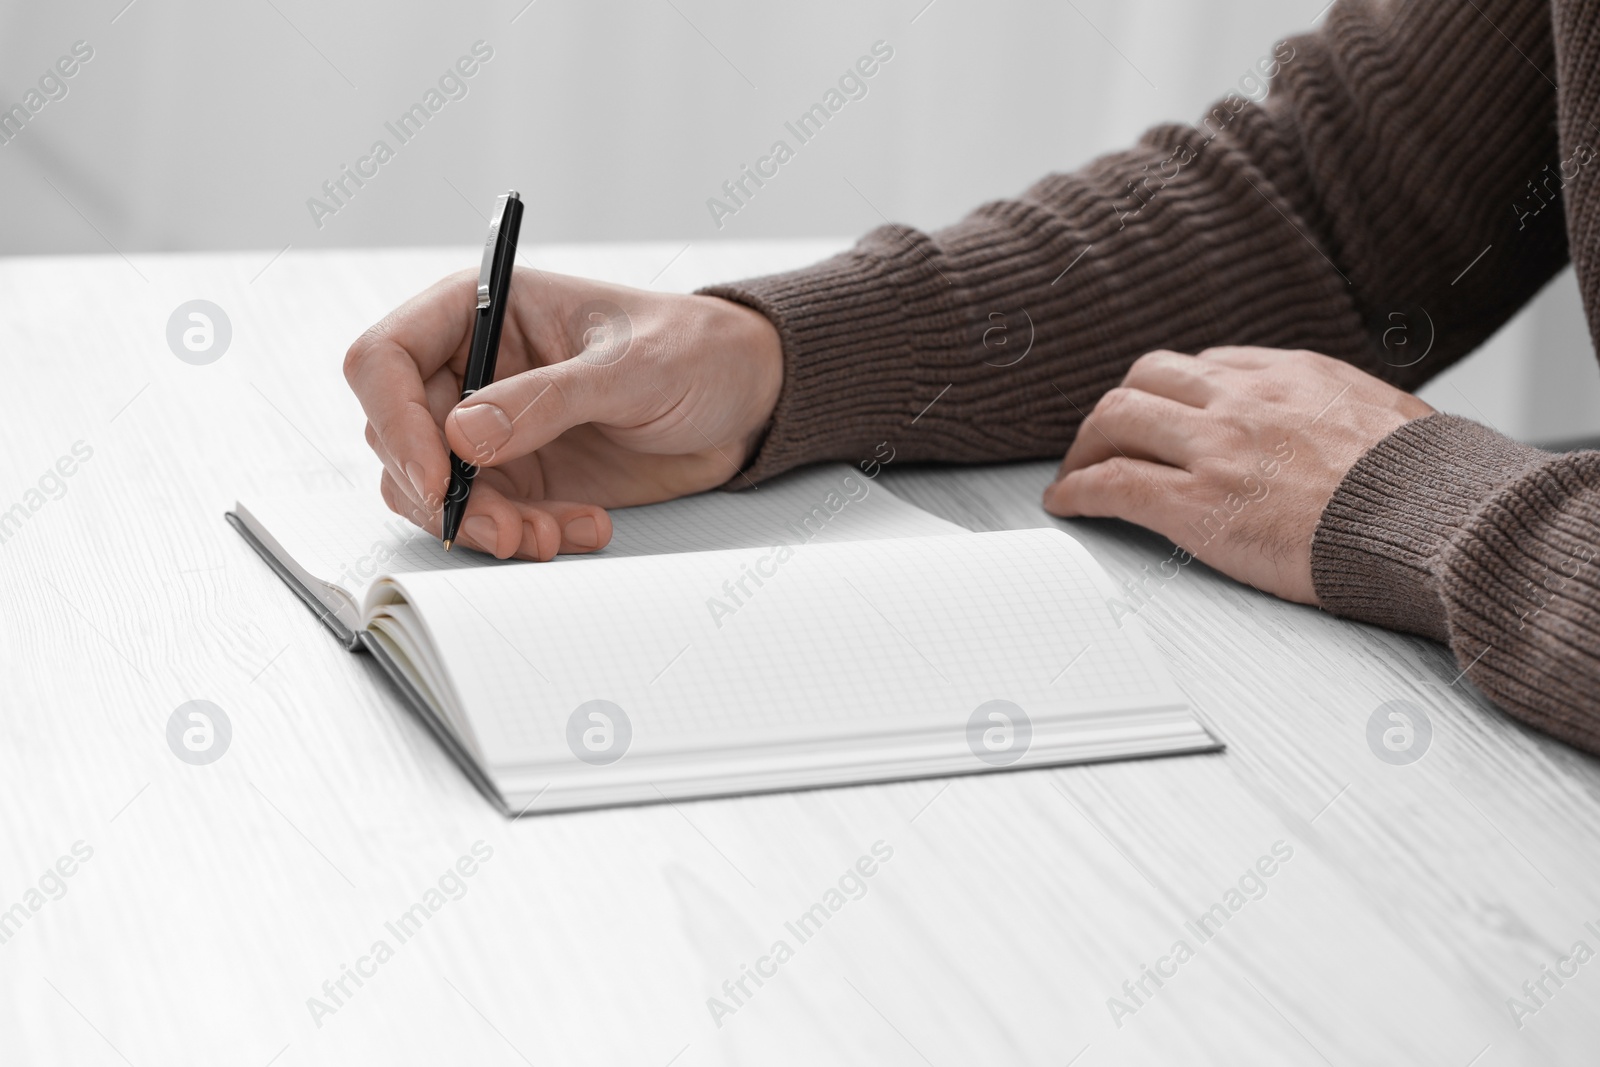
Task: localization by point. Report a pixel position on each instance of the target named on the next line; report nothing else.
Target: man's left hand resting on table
(1232, 455)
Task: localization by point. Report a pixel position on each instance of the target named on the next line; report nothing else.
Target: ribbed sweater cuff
(1375, 555)
(851, 327)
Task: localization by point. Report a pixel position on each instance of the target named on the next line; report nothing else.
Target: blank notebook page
(348, 539)
(864, 637)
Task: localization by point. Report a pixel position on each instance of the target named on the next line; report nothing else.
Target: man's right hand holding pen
(605, 397)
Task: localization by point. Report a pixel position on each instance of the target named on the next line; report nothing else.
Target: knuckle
(1273, 388)
(1211, 470)
(541, 537)
(1125, 472)
(1110, 476)
(549, 536)
(1132, 484)
(1153, 358)
(355, 356)
(1115, 400)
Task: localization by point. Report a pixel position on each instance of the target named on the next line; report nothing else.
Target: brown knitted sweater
(1433, 160)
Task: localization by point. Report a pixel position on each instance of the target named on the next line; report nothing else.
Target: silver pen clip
(486, 271)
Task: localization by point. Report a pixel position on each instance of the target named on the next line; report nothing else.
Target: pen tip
(447, 544)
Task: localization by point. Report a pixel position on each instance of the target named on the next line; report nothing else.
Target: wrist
(750, 341)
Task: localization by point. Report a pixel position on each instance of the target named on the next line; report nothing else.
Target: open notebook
(816, 631)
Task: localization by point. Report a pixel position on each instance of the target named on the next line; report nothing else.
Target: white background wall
(209, 125)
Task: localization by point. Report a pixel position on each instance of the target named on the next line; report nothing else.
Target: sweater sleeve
(1391, 153)
(1447, 529)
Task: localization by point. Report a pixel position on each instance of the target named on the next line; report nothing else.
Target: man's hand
(1231, 454)
(604, 397)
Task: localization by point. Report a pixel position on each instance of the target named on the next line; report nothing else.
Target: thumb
(514, 416)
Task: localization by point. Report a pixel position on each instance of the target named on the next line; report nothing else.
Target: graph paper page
(866, 636)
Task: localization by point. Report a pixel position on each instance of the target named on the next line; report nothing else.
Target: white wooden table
(217, 899)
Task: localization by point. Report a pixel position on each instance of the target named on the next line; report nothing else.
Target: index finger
(386, 368)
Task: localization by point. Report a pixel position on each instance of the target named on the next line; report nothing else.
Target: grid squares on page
(909, 628)
(1003, 628)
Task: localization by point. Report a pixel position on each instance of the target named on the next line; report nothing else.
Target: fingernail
(414, 472)
(482, 532)
(582, 532)
(486, 426)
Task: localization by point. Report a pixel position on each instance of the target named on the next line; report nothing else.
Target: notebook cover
(318, 608)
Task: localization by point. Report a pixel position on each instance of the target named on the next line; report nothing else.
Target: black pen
(494, 293)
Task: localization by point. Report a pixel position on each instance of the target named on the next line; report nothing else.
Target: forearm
(1361, 188)
(989, 340)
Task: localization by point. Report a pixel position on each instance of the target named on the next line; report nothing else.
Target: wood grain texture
(219, 898)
